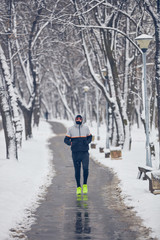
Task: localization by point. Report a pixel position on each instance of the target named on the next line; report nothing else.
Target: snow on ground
(23, 182)
(135, 191)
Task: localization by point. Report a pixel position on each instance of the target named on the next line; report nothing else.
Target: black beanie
(79, 116)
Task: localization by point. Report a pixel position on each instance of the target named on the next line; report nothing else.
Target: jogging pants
(78, 158)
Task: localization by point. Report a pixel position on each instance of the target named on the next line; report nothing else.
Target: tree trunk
(10, 139)
(113, 103)
(157, 58)
(28, 122)
(121, 102)
(12, 97)
(36, 111)
(156, 20)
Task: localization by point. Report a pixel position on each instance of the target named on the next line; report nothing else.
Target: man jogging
(79, 137)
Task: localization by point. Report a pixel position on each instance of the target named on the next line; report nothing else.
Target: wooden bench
(154, 183)
(152, 176)
(144, 171)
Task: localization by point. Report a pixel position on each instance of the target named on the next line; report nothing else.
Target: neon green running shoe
(85, 188)
(78, 190)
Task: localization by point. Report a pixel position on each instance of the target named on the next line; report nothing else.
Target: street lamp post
(86, 89)
(104, 71)
(97, 103)
(97, 106)
(143, 42)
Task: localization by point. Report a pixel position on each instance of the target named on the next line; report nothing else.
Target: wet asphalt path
(100, 215)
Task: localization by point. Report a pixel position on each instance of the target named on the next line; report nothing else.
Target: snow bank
(23, 182)
(135, 191)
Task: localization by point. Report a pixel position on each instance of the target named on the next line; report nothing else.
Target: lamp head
(143, 41)
(105, 72)
(86, 88)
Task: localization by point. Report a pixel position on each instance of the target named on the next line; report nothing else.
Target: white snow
(135, 191)
(24, 182)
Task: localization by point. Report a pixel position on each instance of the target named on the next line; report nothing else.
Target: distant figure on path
(79, 137)
(46, 115)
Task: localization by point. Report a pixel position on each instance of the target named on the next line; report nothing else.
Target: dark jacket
(78, 137)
